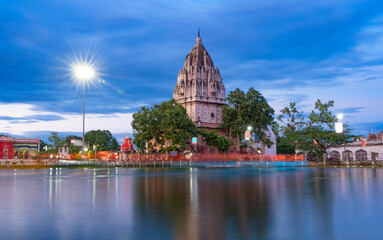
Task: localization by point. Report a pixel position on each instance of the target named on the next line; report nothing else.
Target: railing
(212, 157)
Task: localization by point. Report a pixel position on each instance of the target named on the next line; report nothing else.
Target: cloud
(116, 123)
(289, 50)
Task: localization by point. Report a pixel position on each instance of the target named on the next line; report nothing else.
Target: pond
(192, 203)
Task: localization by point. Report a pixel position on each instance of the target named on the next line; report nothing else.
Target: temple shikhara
(127, 144)
(201, 91)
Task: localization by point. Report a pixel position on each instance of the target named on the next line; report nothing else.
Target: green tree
(75, 149)
(103, 139)
(55, 140)
(42, 145)
(70, 137)
(212, 139)
(247, 109)
(167, 125)
(313, 133)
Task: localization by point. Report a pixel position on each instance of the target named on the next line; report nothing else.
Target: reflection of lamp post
(83, 72)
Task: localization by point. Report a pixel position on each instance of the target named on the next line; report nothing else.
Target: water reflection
(165, 203)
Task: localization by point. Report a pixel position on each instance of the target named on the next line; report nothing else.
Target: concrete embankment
(345, 164)
(26, 163)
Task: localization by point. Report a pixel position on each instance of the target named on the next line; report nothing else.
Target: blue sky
(288, 50)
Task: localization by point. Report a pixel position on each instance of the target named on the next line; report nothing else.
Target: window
(361, 155)
(347, 153)
(335, 154)
(212, 116)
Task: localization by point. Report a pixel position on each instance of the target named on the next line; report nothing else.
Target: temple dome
(198, 57)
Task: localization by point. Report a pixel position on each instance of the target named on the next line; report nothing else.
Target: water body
(192, 203)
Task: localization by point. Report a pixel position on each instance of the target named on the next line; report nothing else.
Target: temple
(11, 147)
(200, 89)
(127, 144)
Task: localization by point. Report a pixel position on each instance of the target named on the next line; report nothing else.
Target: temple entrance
(5, 153)
(346, 154)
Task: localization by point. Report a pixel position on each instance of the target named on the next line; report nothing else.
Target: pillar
(324, 158)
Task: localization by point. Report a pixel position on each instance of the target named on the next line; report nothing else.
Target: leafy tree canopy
(213, 140)
(312, 133)
(103, 139)
(70, 137)
(166, 125)
(247, 109)
(55, 140)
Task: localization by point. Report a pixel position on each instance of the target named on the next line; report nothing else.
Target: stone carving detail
(199, 86)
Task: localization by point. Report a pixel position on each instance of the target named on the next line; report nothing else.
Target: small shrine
(127, 144)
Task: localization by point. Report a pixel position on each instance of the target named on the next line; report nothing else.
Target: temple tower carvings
(200, 89)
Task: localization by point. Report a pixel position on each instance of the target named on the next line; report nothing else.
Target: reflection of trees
(161, 200)
(234, 207)
(227, 205)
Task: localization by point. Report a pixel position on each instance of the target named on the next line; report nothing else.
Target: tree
(243, 110)
(313, 133)
(103, 139)
(70, 137)
(55, 140)
(166, 125)
(212, 139)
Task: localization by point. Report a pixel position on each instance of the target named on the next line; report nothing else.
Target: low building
(64, 149)
(11, 147)
(360, 150)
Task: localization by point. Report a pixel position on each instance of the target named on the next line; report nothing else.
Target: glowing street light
(84, 72)
(339, 124)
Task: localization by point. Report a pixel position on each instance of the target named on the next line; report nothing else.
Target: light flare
(84, 72)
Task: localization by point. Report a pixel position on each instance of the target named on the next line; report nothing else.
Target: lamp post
(83, 72)
(339, 129)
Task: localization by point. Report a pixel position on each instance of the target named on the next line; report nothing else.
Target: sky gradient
(288, 50)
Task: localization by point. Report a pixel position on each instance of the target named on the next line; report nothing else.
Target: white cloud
(116, 122)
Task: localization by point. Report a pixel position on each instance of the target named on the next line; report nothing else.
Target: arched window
(347, 153)
(212, 116)
(335, 155)
(361, 155)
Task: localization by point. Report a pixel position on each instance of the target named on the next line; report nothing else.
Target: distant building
(126, 147)
(360, 150)
(64, 149)
(11, 147)
(127, 144)
(201, 92)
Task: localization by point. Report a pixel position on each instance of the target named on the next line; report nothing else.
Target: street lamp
(339, 124)
(84, 72)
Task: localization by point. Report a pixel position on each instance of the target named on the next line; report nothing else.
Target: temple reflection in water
(195, 203)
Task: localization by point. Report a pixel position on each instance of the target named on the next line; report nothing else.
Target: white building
(360, 150)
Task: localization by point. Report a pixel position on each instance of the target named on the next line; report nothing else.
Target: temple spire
(198, 37)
